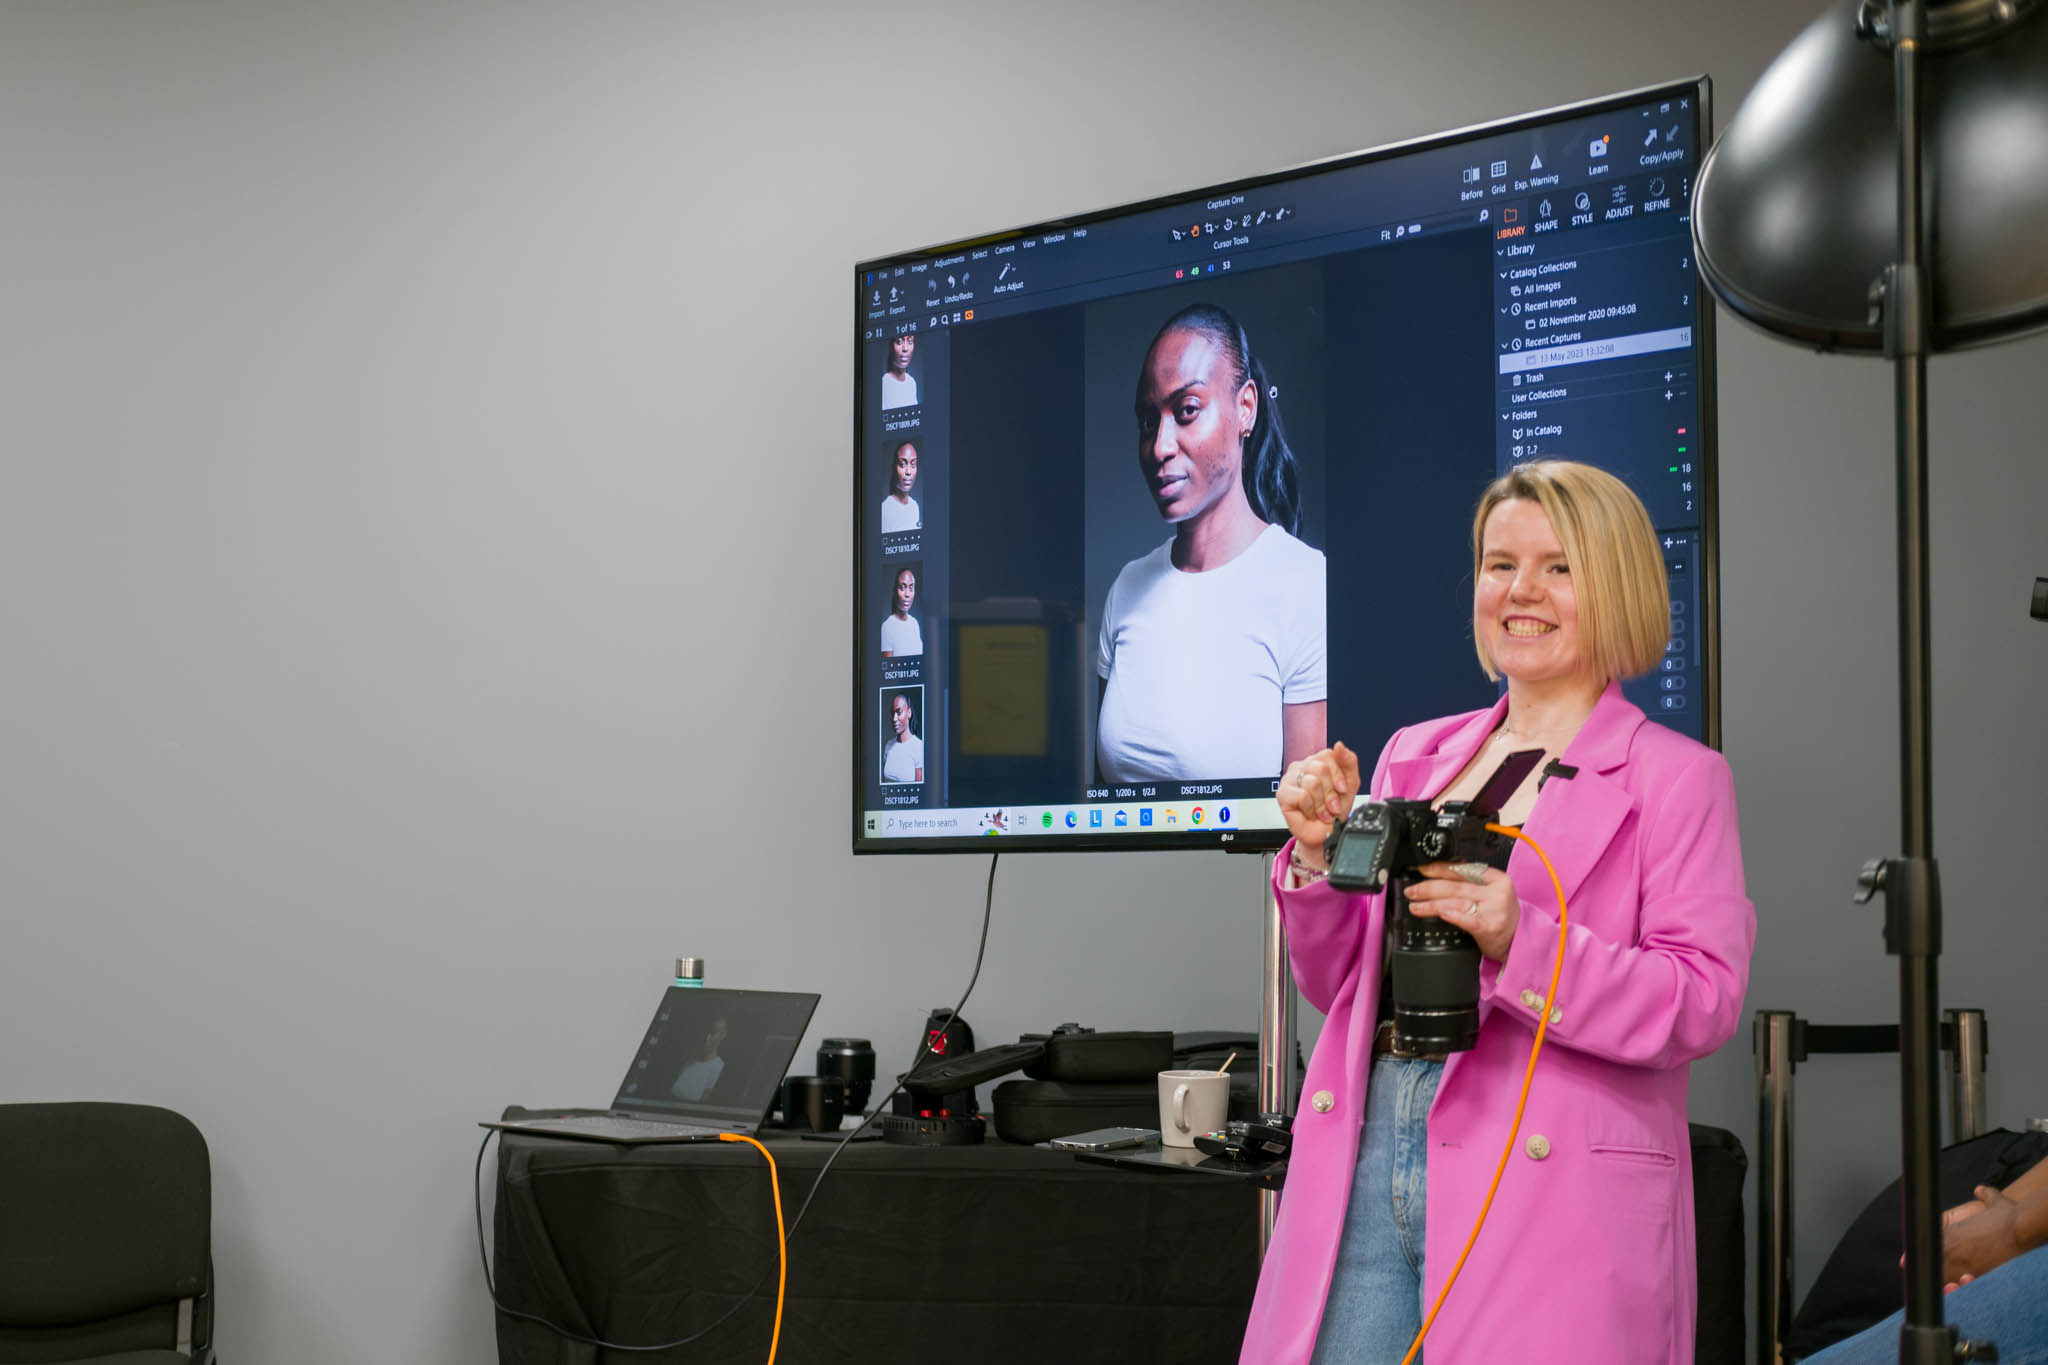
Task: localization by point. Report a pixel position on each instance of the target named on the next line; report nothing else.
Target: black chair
(1719, 1168)
(105, 1236)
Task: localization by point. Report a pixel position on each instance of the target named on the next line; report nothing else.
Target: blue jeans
(2009, 1306)
(1375, 1305)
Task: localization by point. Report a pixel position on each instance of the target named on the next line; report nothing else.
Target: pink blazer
(1587, 1254)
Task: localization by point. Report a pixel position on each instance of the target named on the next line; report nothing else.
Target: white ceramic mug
(1191, 1102)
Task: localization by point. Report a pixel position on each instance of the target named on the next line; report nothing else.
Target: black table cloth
(993, 1253)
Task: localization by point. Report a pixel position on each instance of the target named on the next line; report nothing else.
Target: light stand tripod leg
(1912, 933)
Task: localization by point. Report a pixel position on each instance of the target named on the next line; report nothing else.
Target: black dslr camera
(1435, 966)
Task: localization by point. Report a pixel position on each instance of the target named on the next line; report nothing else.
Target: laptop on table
(710, 1062)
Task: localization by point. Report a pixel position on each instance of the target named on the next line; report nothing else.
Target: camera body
(1381, 839)
(1435, 967)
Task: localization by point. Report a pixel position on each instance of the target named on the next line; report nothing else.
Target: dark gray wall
(414, 417)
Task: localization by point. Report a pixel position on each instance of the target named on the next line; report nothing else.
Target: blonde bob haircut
(1616, 565)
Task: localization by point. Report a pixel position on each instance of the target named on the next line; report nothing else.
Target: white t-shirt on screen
(900, 516)
(898, 393)
(1198, 665)
(900, 636)
(902, 760)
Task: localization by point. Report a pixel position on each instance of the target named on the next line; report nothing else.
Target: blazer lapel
(1576, 817)
(1574, 821)
(1424, 775)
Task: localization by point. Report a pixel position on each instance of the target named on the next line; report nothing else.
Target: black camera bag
(1075, 1055)
(1038, 1111)
(1082, 1079)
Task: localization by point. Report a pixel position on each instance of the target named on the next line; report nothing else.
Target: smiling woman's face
(1524, 600)
(1191, 424)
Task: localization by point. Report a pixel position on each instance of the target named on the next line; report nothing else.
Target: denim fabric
(2008, 1306)
(1374, 1308)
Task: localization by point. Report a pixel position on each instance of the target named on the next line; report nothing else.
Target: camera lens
(1435, 986)
(852, 1060)
(814, 1104)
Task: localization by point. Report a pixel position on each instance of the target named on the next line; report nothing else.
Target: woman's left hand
(1487, 909)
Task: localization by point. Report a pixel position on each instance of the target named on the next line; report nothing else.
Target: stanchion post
(1774, 1042)
(1276, 1035)
(1967, 1105)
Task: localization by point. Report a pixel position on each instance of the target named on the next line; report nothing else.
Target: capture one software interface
(1032, 660)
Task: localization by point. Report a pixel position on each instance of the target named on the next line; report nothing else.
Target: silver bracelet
(1303, 873)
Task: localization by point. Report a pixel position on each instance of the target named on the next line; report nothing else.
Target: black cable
(483, 1249)
(987, 911)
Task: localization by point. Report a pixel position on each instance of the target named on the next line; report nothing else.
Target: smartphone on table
(1106, 1139)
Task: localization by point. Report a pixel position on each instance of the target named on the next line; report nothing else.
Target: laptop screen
(716, 1055)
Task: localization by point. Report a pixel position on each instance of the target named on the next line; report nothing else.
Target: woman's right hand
(1315, 794)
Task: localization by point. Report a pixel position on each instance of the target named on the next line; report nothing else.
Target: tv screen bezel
(1699, 88)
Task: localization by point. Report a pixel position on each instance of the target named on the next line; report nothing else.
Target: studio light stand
(1911, 883)
(1785, 238)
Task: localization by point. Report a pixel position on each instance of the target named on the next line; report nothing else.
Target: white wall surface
(423, 539)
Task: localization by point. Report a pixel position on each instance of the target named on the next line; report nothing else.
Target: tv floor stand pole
(1276, 1035)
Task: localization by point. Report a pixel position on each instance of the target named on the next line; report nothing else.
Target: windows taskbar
(1105, 819)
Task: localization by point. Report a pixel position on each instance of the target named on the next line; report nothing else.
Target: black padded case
(1093, 1058)
(1038, 1111)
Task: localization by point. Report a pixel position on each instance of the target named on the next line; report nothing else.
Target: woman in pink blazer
(1587, 1254)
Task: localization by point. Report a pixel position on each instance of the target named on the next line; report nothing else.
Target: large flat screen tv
(1029, 660)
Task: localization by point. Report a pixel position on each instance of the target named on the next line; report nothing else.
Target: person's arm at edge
(2033, 1181)
(1305, 721)
(1105, 663)
(1101, 691)
(1304, 727)
(2004, 1227)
